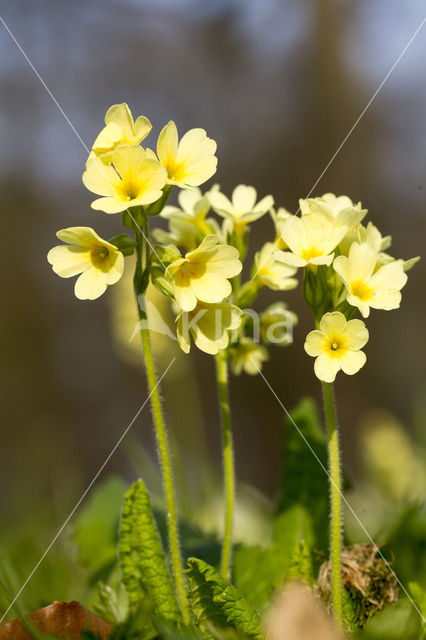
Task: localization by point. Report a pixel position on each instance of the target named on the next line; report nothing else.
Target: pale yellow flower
(202, 275)
(341, 209)
(242, 209)
(134, 180)
(189, 162)
(369, 235)
(248, 356)
(272, 273)
(276, 324)
(99, 262)
(367, 287)
(120, 129)
(209, 325)
(187, 223)
(311, 240)
(280, 218)
(385, 258)
(336, 345)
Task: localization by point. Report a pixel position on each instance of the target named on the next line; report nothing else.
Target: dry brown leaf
(65, 619)
(297, 615)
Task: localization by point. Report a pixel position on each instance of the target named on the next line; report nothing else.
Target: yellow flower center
(336, 346)
(129, 190)
(175, 170)
(361, 291)
(98, 256)
(308, 254)
(193, 270)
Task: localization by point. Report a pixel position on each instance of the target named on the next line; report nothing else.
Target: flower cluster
(130, 180)
(197, 262)
(199, 259)
(346, 271)
(199, 265)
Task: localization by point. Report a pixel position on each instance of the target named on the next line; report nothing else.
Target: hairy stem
(336, 503)
(161, 435)
(228, 461)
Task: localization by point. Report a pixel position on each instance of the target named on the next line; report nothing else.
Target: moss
(370, 583)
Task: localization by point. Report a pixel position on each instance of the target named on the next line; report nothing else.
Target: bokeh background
(278, 84)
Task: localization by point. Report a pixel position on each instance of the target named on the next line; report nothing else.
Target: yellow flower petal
(90, 285)
(135, 181)
(336, 346)
(100, 178)
(356, 334)
(108, 138)
(120, 129)
(326, 368)
(314, 344)
(99, 262)
(352, 362)
(185, 297)
(390, 276)
(244, 198)
(211, 288)
(167, 144)
(67, 262)
(333, 322)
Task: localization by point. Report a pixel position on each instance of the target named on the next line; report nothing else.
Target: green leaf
(96, 528)
(142, 558)
(124, 243)
(419, 596)
(301, 524)
(113, 604)
(399, 621)
(217, 604)
(259, 572)
(304, 486)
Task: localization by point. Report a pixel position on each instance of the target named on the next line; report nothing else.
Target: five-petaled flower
(99, 262)
(336, 345)
(367, 287)
(189, 162)
(134, 180)
(202, 275)
(248, 356)
(120, 128)
(209, 325)
(272, 273)
(311, 240)
(341, 209)
(188, 223)
(243, 208)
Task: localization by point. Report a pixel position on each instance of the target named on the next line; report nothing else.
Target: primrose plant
(197, 264)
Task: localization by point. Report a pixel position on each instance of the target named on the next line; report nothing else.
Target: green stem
(336, 503)
(228, 461)
(162, 442)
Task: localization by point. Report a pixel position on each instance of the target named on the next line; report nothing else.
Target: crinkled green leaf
(142, 559)
(217, 604)
(300, 566)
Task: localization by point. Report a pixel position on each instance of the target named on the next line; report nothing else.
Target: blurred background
(278, 84)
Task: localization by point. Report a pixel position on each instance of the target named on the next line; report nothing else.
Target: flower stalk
(228, 461)
(140, 284)
(336, 503)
